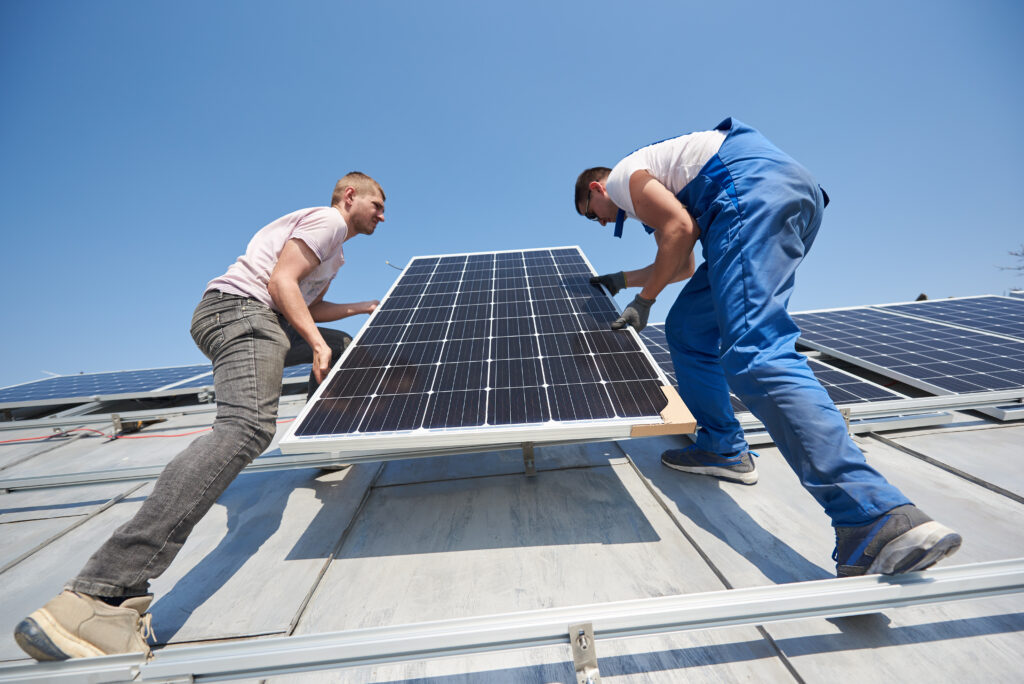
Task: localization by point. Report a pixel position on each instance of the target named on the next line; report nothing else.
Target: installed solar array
(483, 342)
(70, 389)
(931, 355)
(998, 315)
(844, 388)
(77, 387)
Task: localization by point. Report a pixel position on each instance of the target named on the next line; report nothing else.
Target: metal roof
(309, 552)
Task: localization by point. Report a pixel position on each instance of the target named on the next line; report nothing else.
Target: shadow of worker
(715, 506)
(254, 505)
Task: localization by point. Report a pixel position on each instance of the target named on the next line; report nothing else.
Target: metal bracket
(584, 653)
(845, 413)
(115, 418)
(205, 397)
(528, 464)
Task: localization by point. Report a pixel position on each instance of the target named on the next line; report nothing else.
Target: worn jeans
(248, 344)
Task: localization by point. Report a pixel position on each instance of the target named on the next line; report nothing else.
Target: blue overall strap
(620, 219)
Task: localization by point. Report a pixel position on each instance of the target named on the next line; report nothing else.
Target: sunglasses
(586, 212)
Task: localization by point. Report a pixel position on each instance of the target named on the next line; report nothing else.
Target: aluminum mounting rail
(256, 658)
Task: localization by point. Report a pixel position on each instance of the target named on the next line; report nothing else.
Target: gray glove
(635, 314)
(613, 282)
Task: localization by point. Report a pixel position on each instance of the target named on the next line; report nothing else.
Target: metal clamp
(584, 653)
(528, 464)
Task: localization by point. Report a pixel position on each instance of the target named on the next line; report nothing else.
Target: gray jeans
(248, 344)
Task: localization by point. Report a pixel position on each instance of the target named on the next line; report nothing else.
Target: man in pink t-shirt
(251, 321)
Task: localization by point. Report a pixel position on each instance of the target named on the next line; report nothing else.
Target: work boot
(902, 540)
(737, 467)
(74, 625)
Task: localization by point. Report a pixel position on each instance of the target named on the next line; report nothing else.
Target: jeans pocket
(208, 332)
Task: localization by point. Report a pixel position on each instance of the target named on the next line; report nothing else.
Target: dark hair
(597, 173)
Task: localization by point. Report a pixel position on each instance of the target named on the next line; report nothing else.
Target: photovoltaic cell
(844, 388)
(927, 354)
(488, 340)
(999, 315)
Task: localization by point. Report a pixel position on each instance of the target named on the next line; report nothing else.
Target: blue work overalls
(758, 211)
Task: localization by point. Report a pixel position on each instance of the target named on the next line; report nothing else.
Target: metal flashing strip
(256, 658)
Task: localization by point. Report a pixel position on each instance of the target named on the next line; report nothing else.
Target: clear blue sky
(143, 143)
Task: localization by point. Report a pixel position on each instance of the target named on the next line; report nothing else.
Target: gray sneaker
(738, 467)
(902, 540)
(74, 625)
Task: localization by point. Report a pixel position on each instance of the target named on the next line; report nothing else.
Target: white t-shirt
(674, 162)
(321, 228)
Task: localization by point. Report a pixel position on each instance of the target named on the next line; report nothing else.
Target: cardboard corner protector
(676, 418)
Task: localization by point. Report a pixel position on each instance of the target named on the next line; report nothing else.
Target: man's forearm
(329, 311)
(289, 301)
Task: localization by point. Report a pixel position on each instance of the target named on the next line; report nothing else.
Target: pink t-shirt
(321, 228)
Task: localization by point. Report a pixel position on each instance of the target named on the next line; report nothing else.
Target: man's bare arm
(295, 262)
(674, 230)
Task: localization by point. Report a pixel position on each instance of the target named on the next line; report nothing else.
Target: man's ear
(349, 195)
(597, 185)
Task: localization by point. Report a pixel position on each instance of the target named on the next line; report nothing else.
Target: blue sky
(142, 144)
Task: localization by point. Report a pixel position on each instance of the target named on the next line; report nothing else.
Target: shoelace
(146, 627)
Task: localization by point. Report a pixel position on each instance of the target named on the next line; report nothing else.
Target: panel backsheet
(925, 353)
(844, 388)
(485, 340)
(991, 314)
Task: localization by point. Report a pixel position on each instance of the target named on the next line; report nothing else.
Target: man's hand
(635, 314)
(321, 361)
(370, 306)
(613, 282)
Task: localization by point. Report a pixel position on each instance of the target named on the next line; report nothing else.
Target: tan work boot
(74, 625)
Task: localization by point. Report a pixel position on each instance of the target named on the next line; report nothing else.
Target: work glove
(635, 314)
(613, 282)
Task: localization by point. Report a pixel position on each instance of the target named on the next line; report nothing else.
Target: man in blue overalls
(756, 212)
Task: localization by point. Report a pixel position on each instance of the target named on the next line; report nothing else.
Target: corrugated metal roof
(309, 551)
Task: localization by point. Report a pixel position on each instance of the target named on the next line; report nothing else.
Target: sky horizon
(143, 144)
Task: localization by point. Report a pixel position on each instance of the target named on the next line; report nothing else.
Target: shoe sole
(747, 478)
(44, 638)
(917, 549)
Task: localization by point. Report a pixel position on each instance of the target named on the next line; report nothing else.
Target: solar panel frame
(513, 416)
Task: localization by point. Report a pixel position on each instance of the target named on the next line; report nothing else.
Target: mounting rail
(257, 658)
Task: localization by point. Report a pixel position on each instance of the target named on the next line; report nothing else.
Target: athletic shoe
(902, 540)
(74, 625)
(738, 467)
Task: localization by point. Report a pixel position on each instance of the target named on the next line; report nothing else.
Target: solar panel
(933, 356)
(504, 344)
(998, 315)
(1017, 293)
(844, 388)
(85, 386)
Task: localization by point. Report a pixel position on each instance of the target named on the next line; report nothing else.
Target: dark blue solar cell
(495, 339)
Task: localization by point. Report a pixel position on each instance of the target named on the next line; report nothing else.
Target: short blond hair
(354, 179)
